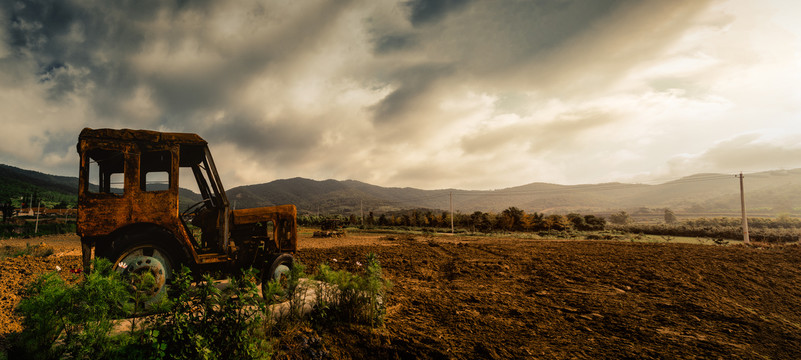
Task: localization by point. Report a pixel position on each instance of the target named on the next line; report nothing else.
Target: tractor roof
(141, 136)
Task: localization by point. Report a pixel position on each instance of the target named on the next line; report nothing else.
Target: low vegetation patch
(780, 230)
(38, 250)
(99, 317)
(25, 229)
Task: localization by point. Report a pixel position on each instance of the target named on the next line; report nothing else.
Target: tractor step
(211, 258)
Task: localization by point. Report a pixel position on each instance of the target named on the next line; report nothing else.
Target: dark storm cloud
(61, 80)
(429, 11)
(390, 43)
(412, 88)
(504, 36)
(56, 143)
(34, 22)
(478, 45)
(279, 139)
(69, 34)
(80, 43)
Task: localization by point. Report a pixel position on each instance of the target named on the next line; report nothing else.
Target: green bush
(61, 321)
(346, 297)
(72, 321)
(197, 320)
(206, 322)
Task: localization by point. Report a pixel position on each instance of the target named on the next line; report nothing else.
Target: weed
(62, 321)
(346, 297)
(195, 321)
(204, 321)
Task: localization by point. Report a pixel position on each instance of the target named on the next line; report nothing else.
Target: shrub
(343, 296)
(195, 321)
(62, 321)
(204, 321)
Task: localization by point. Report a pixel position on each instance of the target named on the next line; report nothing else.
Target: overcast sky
(425, 94)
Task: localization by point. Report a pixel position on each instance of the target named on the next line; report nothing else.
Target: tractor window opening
(106, 171)
(154, 169)
(191, 176)
(157, 181)
(188, 191)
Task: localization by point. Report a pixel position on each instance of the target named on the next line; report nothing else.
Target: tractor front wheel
(277, 271)
(149, 268)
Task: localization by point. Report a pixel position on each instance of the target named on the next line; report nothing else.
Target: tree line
(510, 219)
(781, 229)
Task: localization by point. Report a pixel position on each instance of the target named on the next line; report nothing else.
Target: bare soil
(473, 297)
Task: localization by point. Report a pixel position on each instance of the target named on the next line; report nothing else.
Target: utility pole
(451, 201)
(38, 210)
(361, 209)
(746, 239)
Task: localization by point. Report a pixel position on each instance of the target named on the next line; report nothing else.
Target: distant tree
(670, 217)
(7, 209)
(382, 220)
(417, 219)
(370, 219)
(512, 219)
(534, 222)
(556, 222)
(481, 221)
(578, 221)
(430, 219)
(595, 222)
(621, 218)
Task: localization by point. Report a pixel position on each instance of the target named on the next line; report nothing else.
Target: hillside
(767, 193)
(16, 183)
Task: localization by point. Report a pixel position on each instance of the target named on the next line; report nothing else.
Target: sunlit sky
(425, 94)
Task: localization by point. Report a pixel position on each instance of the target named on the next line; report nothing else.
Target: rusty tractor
(129, 203)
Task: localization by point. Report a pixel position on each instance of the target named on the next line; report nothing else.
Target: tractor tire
(149, 252)
(278, 271)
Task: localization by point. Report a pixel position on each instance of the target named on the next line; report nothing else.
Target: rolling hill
(767, 193)
(16, 183)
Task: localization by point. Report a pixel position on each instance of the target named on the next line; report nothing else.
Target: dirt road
(468, 297)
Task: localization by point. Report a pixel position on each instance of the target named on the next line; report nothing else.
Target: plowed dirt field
(473, 297)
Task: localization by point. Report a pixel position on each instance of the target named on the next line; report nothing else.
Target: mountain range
(767, 193)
